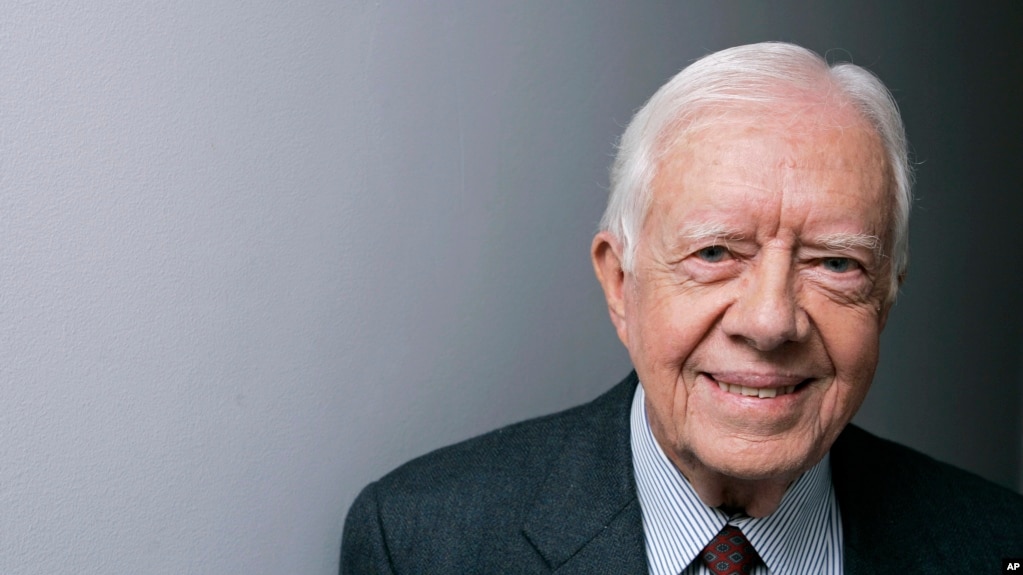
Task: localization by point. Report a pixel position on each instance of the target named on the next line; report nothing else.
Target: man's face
(753, 312)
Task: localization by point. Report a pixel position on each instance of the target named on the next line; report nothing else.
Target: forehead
(808, 165)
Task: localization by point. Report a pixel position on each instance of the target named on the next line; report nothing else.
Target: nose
(766, 313)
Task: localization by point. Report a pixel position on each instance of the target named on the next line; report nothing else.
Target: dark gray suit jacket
(557, 494)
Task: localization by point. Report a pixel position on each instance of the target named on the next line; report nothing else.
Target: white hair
(758, 76)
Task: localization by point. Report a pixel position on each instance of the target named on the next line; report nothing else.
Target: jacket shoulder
(516, 454)
(446, 509)
(891, 496)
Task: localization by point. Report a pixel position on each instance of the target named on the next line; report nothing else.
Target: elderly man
(753, 244)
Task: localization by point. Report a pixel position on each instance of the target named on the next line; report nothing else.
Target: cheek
(852, 345)
(673, 339)
(669, 326)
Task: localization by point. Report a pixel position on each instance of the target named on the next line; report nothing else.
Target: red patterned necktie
(730, 553)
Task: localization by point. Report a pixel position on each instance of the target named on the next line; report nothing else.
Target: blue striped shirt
(803, 536)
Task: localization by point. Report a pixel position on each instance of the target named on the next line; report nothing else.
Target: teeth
(763, 392)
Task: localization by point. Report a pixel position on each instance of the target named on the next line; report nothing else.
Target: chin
(759, 461)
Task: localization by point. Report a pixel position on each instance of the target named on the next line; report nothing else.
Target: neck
(754, 497)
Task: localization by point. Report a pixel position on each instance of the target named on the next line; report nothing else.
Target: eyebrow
(843, 241)
(710, 231)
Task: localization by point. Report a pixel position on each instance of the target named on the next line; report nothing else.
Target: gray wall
(255, 254)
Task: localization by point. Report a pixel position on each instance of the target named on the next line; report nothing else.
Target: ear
(886, 306)
(883, 315)
(607, 264)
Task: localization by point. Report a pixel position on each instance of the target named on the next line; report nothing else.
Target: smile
(761, 392)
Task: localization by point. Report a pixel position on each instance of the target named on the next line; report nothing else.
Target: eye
(839, 265)
(712, 254)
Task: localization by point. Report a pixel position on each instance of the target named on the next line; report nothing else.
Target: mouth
(768, 391)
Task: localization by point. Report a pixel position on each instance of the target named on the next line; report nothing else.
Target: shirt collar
(804, 535)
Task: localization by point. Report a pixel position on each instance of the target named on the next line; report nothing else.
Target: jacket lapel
(586, 518)
(859, 510)
(867, 483)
